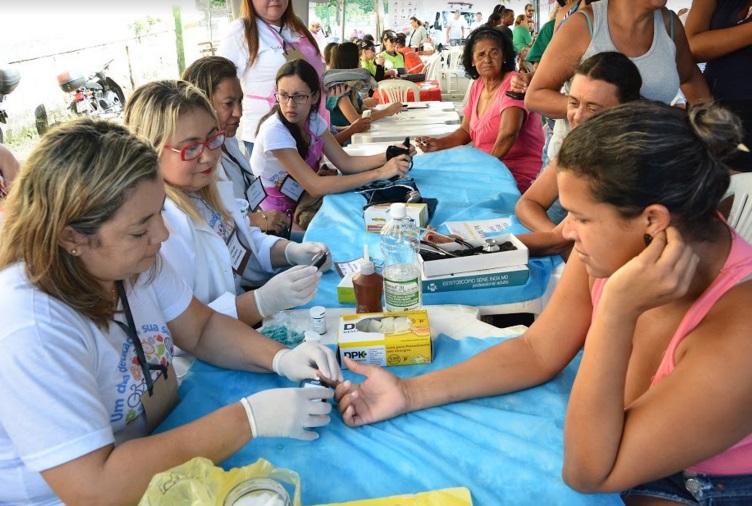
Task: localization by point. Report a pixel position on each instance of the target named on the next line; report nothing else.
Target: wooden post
(179, 38)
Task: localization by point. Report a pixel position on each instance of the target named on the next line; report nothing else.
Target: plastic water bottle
(399, 243)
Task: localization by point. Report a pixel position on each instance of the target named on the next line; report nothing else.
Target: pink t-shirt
(524, 159)
(738, 267)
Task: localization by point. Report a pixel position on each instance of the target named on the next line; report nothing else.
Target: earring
(73, 251)
(648, 239)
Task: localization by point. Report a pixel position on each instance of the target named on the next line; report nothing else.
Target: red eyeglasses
(193, 151)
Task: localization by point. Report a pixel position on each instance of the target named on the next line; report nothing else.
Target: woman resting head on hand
(602, 81)
(348, 108)
(656, 291)
(90, 306)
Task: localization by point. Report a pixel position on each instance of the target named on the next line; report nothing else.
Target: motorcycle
(9, 79)
(96, 95)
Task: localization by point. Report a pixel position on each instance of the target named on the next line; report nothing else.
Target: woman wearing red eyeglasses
(212, 244)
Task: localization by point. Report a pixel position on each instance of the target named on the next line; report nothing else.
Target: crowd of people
(128, 250)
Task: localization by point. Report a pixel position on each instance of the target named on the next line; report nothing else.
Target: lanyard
(243, 172)
(130, 331)
(278, 35)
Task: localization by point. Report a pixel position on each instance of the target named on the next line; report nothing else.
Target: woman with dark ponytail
(657, 291)
(292, 138)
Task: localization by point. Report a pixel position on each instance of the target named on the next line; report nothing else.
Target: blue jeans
(697, 489)
(556, 213)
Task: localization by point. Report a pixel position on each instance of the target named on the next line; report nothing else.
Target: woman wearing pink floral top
(494, 122)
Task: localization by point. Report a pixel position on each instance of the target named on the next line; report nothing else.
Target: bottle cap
(367, 267)
(397, 210)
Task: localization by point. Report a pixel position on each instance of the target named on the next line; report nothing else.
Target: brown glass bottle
(369, 287)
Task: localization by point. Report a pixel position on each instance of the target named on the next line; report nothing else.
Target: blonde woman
(91, 319)
(212, 244)
(217, 77)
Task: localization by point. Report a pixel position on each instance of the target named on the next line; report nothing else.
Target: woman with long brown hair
(265, 36)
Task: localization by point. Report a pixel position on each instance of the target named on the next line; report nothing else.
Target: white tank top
(660, 78)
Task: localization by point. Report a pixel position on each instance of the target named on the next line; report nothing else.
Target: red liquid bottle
(369, 287)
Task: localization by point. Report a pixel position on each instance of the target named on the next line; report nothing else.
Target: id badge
(255, 194)
(163, 400)
(239, 254)
(293, 53)
(291, 188)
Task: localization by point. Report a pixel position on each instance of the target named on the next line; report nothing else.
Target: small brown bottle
(369, 287)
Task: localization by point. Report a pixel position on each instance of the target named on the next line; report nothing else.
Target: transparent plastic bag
(199, 482)
(286, 328)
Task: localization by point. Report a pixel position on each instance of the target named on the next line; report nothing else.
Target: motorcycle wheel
(42, 123)
(115, 87)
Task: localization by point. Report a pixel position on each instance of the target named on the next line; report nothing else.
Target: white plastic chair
(433, 66)
(740, 216)
(451, 64)
(395, 90)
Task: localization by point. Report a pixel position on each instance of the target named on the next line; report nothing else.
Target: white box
(454, 265)
(514, 275)
(378, 215)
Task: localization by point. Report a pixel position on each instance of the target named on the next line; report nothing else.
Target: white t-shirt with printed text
(67, 387)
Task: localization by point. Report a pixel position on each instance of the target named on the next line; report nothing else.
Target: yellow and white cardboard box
(378, 215)
(386, 338)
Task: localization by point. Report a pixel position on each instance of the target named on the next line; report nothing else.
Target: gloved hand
(302, 253)
(287, 289)
(304, 360)
(285, 412)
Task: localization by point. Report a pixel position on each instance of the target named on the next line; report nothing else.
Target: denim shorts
(697, 489)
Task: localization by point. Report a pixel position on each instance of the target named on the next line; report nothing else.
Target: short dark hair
(401, 39)
(502, 41)
(389, 35)
(613, 68)
(644, 152)
(328, 50)
(345, 56)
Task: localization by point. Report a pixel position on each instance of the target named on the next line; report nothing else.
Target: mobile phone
(319, 259)
(515, 95)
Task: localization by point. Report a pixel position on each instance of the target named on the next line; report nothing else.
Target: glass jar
(258, 492)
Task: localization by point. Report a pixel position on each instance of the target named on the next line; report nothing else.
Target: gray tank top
(660, 78)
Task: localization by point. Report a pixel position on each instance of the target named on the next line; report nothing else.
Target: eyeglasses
(193, 151)
(284, 98)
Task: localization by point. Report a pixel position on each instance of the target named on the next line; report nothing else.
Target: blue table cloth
(469, 185)
(506, 449)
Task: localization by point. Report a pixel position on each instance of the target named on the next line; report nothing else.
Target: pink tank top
(738, 266)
